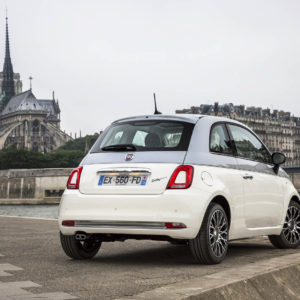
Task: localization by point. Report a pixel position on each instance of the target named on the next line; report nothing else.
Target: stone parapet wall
(295, 177)
(33, 186)
(294, 173)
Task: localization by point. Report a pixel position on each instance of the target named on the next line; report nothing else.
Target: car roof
(176, 117)
(190, 118)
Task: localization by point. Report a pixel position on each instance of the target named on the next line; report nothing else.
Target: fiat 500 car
(187, 179)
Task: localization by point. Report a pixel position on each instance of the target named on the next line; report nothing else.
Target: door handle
(247, 176)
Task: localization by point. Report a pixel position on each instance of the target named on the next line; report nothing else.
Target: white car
(192, 179)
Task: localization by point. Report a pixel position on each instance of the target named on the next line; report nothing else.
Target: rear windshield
(145, 136)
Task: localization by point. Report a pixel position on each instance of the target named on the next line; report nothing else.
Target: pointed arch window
(35, 128)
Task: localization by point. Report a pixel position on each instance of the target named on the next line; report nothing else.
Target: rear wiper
(119, 147)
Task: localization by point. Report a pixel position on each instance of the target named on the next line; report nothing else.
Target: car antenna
(156, 112)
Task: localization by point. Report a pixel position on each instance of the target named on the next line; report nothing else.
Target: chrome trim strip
(125, 170)
(122, 224)
(265, 228)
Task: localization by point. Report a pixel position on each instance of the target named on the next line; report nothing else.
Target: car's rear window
(145, 136)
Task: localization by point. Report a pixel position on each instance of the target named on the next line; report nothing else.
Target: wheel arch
(221, 200)
(296, 199)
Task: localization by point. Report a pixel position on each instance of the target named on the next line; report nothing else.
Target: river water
(36, 211)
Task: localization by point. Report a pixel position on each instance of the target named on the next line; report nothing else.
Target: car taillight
(68, 223)
(74, 178)
(174, 225)
(181, 178)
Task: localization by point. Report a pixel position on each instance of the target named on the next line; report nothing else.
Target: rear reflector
(68, 223)
(181, 178)
(74, 178)
(174, 225)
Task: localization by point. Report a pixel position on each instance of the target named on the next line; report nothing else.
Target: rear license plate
(105, 180)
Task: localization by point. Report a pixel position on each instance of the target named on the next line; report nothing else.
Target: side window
(248, 146)
(219, 141)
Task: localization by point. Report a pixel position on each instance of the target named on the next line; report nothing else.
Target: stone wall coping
(47, 172)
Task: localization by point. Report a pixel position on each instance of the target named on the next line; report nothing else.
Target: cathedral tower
(25, 121)
(10, 83)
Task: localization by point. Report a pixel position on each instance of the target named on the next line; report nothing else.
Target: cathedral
(25, 121)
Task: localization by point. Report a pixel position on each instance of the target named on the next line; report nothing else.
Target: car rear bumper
(134, 214)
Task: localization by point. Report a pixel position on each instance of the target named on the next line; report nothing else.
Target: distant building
(25, 121)
(278, 129)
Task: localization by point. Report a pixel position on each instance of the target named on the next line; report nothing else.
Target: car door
(263, 190)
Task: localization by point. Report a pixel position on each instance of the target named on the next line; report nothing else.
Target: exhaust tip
(80, 236)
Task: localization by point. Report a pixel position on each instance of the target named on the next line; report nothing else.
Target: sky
(105, 58)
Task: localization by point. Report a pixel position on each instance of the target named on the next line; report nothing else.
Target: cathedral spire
(8, 86)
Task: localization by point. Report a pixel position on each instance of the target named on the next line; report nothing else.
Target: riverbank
(34, 211)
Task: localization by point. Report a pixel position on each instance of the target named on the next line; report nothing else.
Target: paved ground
(33, 256)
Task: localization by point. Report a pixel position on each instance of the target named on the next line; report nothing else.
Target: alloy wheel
(291, 227)
(218, 233)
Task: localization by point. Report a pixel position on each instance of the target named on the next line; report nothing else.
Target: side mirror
(278, 159)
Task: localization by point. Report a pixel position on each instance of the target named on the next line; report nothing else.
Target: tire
(290, 234)
(77, 249)
(211, 244)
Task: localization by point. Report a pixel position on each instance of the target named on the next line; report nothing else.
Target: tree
(67, 156)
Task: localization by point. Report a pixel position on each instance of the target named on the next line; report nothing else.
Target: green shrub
(23, 159)
(67, 156)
